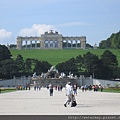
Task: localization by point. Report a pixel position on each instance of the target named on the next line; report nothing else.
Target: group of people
(95, 88)
(20, 87)
(37, 87)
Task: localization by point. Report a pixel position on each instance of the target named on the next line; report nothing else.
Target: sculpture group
(52, 73)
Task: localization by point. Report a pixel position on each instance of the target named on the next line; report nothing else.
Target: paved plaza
(40, 103)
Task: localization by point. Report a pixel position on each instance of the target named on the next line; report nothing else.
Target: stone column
(76, 43)
(71, 43)
(26, 44)
(60, 44)
(67, 43)
(83, 42)
(53, 43)
(35, 44)
(42, 44)
(31, 44)
(48, 43)
(19, 43)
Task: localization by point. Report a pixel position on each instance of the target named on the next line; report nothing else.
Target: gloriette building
(51, 40)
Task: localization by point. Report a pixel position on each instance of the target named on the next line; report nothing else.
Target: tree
(4, 53)
(20, 63)
(28, 65)
(8, 68)
(110, 63)
(41, 66)
(90, 62)
(68, 66)
(112, 42)
(79, 62)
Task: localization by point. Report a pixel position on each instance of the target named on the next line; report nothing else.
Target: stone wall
(43, 82)
(15, 82)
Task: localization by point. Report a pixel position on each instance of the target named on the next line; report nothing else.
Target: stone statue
(34, 75)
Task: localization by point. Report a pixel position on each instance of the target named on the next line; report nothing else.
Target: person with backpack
(69, 93)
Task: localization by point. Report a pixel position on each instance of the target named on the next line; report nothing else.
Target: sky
(95, 19)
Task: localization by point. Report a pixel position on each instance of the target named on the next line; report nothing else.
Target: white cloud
(4, 34)
(36, 30)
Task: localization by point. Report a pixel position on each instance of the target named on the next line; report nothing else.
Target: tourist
(101, 88)
(97, 88)
(29, 87)
(39, 87)
(66, 87)
(94, 87)
(69, 93)
(61, 87)
(75, 89)
(85, 88)
(90, 87)
(51, 89)
(35, 87)
(82, 87)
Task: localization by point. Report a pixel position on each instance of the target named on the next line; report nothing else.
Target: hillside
(112, 42)
(57, 56)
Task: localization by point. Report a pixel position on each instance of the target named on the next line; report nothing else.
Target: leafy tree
(117, 73)
(4, 53)
(8, 68)
(41, 66)
(112, 42)
(68, 66)
(45, 66)
(90, 62)
(28, 65)
(110, 63)
(20, 63)
(79, 62)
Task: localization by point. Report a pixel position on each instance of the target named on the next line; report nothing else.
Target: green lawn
(57, 56)
(114, 90)
(7, 90)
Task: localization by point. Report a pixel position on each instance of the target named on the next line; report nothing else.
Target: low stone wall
(45, 82)
(15, 82)
(106, 83)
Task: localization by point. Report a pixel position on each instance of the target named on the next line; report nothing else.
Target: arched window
(46, 43)
(56, 43)
(51, 43)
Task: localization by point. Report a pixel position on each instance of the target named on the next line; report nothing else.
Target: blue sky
(95, 19)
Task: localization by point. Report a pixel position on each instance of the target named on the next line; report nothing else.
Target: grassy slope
(57, 56)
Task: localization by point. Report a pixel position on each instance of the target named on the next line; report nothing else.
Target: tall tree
(8, 68)
(41, 66)
(68, 66)
(79, 62)
(90, 62)
(20, 63)
(110, 63)
(28, 65)
(4, 53)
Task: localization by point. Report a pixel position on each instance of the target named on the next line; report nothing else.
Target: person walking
(75, 89)
(51, 89)
(69, 93)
